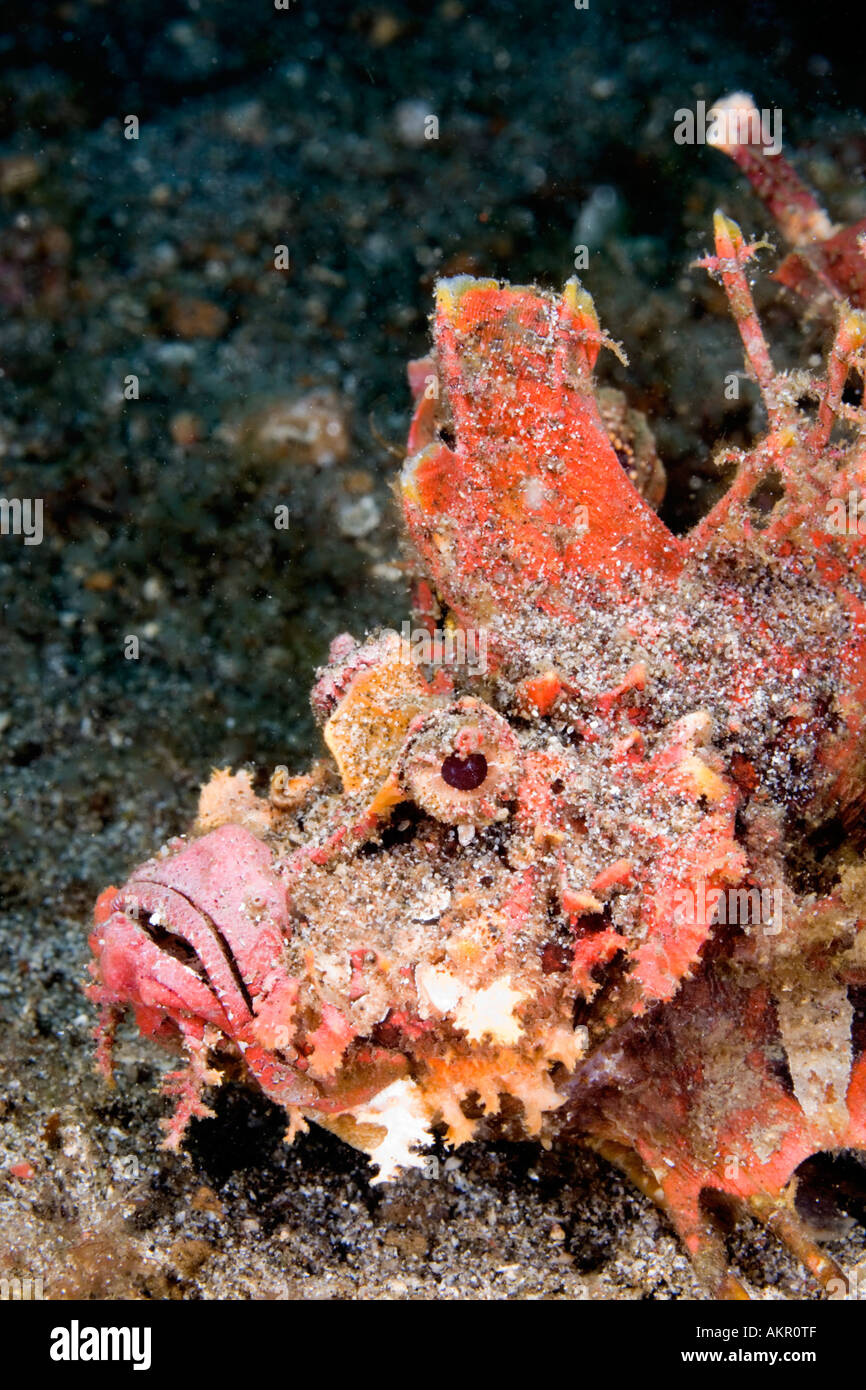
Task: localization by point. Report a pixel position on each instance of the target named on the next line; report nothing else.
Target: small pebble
(196, 318)
(185, 428)
(410, 120)
(358, 518)
(99, 581)
(305, 429)
(19, 172)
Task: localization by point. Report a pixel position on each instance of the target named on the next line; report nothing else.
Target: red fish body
(576, 886)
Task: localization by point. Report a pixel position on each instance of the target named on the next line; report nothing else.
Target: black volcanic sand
(154, 258)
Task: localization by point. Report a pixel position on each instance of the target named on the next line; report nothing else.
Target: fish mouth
(172, 922)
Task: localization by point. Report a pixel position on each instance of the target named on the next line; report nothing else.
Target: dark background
(260, 127)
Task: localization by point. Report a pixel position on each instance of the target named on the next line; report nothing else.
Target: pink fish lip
(196, 941)
(189, 939)
(197, 932)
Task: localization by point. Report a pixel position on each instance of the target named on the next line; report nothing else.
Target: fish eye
(462, 764)
(464, 774)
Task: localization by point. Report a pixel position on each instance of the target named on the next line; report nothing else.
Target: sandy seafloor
(154, 257)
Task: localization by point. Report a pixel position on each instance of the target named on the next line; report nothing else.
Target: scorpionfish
(581, 886)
